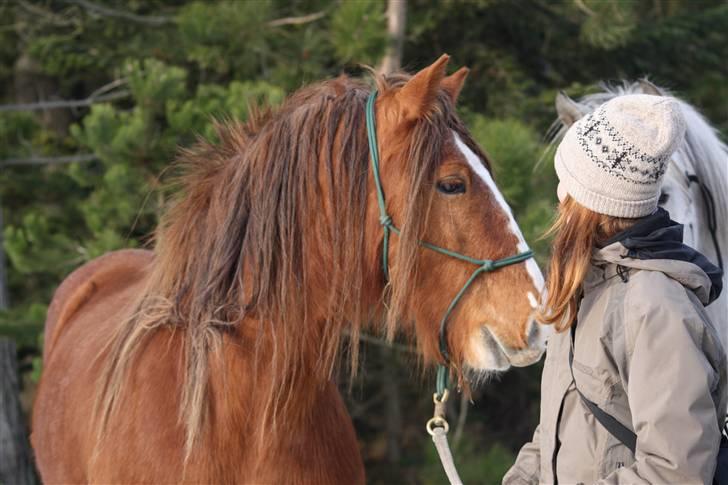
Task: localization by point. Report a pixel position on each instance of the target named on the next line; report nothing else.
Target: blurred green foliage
(183, 64)
(359, 30)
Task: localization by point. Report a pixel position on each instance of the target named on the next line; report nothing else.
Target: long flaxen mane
(273, 198)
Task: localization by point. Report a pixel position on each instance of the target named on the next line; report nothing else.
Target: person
(626, 298)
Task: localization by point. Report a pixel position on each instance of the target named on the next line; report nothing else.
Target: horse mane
(249, 223)
(703, 150)
(707, 155)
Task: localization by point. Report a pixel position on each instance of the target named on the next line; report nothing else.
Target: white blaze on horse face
(532, 300)
(480, 170)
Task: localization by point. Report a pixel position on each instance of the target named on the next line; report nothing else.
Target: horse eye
(664, 197)
(451, 187)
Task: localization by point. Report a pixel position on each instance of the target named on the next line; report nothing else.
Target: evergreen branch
(582, 6)
(64, 103)
(107, 87)
(304, 19)
(47, 15)
(83, 157)
(111, 12)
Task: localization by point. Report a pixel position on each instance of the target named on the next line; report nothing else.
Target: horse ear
(569, 111)
(649, 88)
(453, 83)
(418, 95)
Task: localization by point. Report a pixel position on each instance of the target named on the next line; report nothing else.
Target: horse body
(211, 359)
(145, 447)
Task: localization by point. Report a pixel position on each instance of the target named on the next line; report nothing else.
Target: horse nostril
(538, 334)
(533, 332)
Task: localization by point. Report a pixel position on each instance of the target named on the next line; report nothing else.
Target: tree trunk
(396, 19)
(33, 85)
(393, 410)
(16, 463)
(4, 303)
(396, 22)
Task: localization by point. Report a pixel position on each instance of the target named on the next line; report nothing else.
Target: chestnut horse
(210, 359)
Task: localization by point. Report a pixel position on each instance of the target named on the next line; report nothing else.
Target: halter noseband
(483, 265)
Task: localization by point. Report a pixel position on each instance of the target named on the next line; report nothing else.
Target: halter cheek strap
(388, 227)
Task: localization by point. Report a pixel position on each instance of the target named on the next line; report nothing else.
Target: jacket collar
(655, 243)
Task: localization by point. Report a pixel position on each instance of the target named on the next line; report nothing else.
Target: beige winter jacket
(646, 353)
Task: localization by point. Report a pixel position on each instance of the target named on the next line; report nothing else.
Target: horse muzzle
(538, 335)
(488, 352)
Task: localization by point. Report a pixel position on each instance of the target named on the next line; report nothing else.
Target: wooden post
(16, 463)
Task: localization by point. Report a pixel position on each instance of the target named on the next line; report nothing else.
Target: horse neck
(279, 368)
(255, 397)
(707, 157)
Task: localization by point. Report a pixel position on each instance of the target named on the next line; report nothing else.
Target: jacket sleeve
(670, 379)
(527, 468)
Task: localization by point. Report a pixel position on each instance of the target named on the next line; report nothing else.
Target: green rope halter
(483, 265)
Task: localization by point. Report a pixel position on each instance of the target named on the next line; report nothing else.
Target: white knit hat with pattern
(612, 160)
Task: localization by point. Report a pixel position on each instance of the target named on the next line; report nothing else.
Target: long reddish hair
(577, 231)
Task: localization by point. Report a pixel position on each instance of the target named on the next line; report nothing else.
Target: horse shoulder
(147, 425)
(78, 287)
(86, 309)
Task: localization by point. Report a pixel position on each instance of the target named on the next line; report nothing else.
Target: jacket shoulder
(648, 288)
(654, 302)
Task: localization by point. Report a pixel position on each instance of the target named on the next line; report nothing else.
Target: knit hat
(612, 160)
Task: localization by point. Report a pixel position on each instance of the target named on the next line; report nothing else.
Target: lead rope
(437, 426)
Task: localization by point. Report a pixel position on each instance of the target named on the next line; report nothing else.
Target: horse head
(440, 192)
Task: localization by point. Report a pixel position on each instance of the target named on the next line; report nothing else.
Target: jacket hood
(655, 243)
